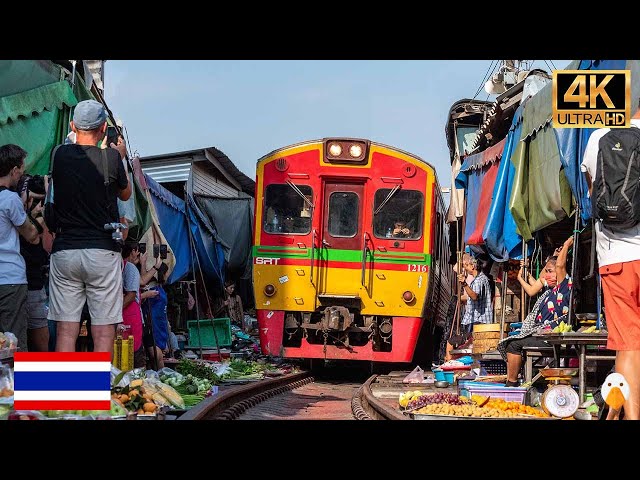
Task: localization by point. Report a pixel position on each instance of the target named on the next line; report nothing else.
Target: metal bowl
(441, 384)
(559, 372)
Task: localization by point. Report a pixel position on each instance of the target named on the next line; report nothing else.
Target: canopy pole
(193, 269)
(504, 298)
(574, 260)
(213, 326)
(524, 272)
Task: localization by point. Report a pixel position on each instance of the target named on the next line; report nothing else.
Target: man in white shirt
(619, 267)
(14, 221)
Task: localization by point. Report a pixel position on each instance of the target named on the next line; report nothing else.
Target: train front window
(285, 211)
(343, 214)
(397, 213)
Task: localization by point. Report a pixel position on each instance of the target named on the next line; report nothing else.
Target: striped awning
(487, 156)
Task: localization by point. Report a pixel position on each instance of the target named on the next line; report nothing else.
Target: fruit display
(480, 400)
(591, 329)
(406, 397)
(466, 410)
(433, 398)
(515, 407)
(562, 327)
(135, 398)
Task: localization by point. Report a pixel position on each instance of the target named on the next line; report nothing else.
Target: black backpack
(615, 196)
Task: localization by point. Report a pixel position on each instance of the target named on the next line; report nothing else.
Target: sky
(248, 108)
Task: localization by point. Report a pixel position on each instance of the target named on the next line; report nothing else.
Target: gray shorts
(13, 312)
(37, 309)
(93, 275)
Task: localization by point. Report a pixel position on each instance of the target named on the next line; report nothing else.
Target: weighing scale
(560, 399)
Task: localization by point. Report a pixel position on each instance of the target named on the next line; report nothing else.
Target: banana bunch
(406, 397)
(562, 328)
(591, 329)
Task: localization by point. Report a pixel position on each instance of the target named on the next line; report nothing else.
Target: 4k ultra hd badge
(591, 98)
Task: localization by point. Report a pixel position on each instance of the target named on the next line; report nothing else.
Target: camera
(32, 183)
(116, 229)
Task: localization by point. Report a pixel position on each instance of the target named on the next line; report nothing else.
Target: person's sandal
(511, 384)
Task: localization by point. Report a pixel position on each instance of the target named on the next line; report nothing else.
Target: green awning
(16, 76)
(541, 194)
(34, 101)
(36, 120)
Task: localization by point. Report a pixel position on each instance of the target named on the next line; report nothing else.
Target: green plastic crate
(223, 331)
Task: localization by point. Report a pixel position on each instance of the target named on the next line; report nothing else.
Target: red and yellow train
(350, 251)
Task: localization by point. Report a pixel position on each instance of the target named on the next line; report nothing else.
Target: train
(350, 252)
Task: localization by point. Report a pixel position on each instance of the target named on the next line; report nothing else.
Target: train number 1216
(416, 268)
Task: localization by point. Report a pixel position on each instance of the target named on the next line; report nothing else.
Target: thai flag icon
(62, 381)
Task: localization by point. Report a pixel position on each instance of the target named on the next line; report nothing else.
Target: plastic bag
(416, 376)
(222, 369)
(8, 340)
(6, 385)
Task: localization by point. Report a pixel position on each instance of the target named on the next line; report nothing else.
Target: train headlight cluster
(269, 290)
(346, 150)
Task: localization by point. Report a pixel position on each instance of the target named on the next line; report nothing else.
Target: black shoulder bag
(49, 211)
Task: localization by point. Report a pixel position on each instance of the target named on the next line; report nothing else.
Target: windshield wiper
(302, 195)
(391, 193)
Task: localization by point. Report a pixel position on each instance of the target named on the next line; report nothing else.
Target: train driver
(400, 229)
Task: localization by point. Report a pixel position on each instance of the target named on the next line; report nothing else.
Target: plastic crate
(222, 329)
(494, 367)
(510, 394)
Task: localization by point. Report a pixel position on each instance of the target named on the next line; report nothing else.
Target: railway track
(297, 396)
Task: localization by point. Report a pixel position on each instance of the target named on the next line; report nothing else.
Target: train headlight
(269, 290)
(355, 150)
(408, 296)
(335, 149)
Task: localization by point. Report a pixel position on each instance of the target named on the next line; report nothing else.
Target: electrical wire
(484, 79)
(549, 66)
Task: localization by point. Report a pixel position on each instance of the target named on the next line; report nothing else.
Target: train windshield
(286, 211)
(400, 216)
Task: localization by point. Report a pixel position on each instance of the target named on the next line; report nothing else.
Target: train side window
(285, 211)
(437, 241)
(343, 214)
(399, 208)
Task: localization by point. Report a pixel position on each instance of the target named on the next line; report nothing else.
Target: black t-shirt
(35, 258)
(82, 201)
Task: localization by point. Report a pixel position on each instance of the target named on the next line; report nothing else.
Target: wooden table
(581, 341)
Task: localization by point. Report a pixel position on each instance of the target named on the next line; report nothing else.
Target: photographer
(85, 261)
(14, 222)
(32, 190)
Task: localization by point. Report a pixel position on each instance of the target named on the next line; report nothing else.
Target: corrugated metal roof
(175, 167)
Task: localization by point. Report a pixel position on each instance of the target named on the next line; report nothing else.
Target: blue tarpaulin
(172, 214)
(173, 223)
(500, 232)
(209, 250)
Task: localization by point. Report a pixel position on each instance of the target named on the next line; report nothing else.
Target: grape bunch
(424, 400)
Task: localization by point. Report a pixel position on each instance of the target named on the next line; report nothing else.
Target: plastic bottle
(389, 234)
(275, 223)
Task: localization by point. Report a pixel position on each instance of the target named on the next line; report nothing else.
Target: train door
(342, 239)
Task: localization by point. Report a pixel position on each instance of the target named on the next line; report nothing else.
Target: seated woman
(547, 279)
(551, 308)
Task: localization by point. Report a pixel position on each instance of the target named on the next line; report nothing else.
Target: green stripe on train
(342, 255)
